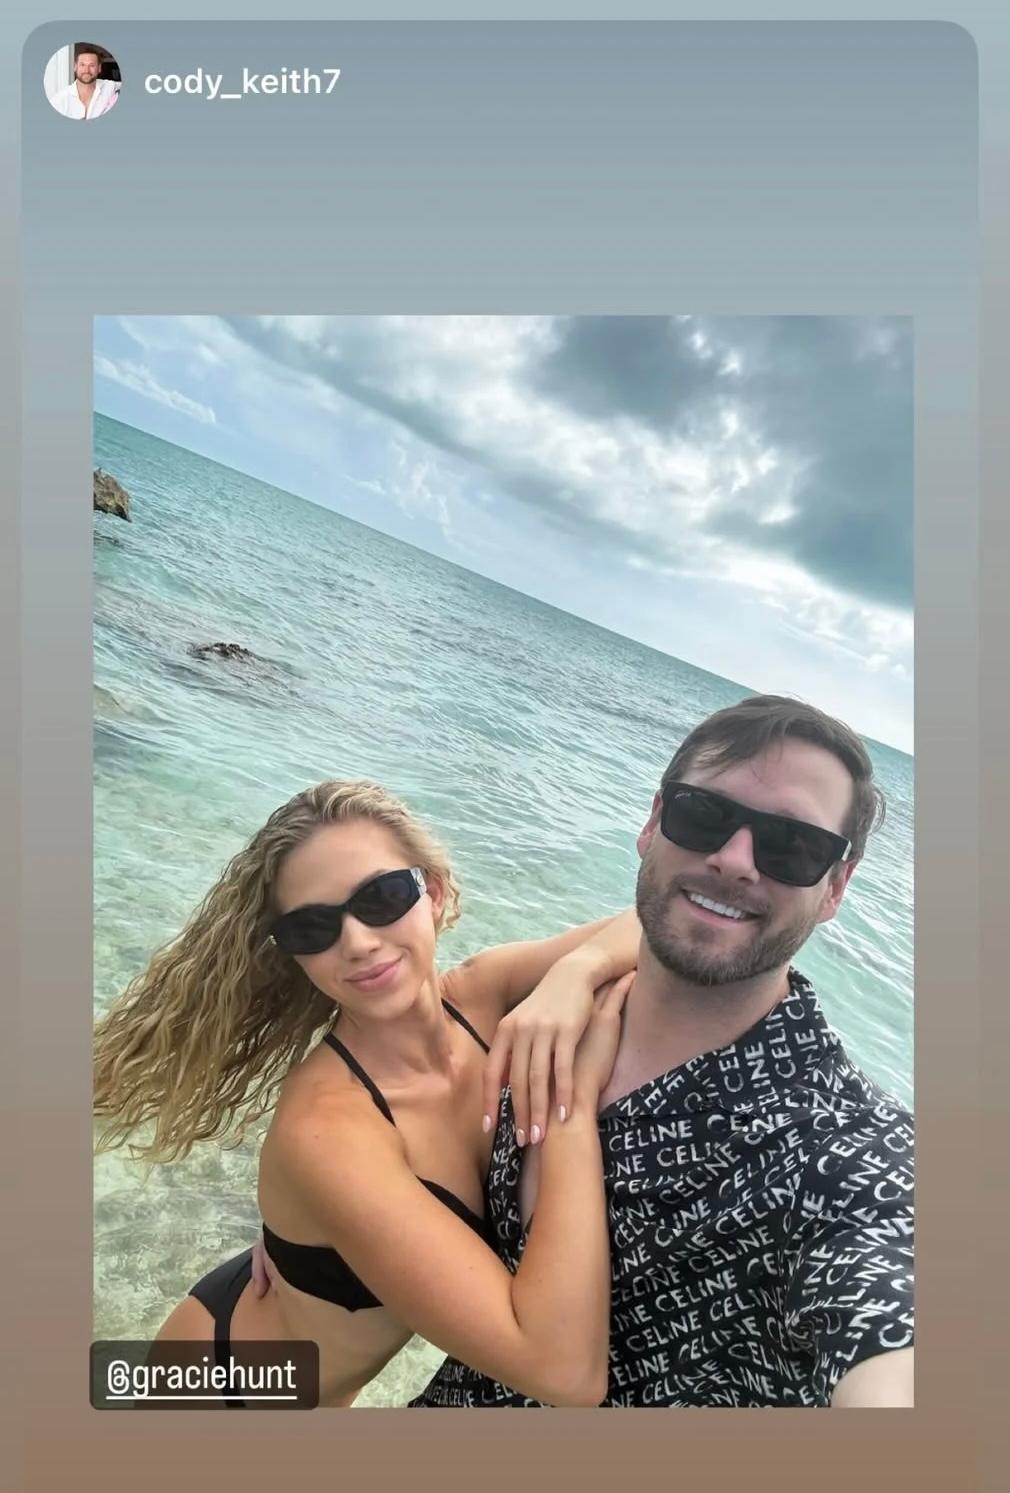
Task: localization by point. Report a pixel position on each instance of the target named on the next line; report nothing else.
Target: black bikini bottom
(219, 1292)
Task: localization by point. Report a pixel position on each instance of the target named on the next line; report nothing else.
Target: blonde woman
(372, 1171)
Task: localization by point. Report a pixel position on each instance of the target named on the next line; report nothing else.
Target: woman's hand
(262, 1269)
(537, 1041)
(597, 1052)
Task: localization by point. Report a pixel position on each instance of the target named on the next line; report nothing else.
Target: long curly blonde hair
(201, 1041)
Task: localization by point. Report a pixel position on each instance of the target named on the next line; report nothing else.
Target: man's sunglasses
(381, 901)
(785, 849)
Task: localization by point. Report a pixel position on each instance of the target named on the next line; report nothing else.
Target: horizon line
(468, 569)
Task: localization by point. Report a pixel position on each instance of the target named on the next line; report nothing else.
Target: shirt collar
(776, 1053)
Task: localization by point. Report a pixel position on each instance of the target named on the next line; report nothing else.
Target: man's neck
(85, 90)
(667, 1021)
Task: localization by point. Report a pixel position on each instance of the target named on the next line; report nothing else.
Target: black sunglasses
(381, 901)
(788, 850)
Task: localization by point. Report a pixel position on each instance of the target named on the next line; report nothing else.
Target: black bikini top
(319, 1270)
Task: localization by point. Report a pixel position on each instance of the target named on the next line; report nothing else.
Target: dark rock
(220, 650)
(110, 496)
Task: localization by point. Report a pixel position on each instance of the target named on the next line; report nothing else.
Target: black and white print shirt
(761, 1225)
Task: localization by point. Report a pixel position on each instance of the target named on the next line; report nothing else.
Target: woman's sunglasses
(381, 901)
(785, 849)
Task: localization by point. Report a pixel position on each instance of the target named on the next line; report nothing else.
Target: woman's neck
(418, 1041)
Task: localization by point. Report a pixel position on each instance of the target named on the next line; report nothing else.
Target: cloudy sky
(733, 491)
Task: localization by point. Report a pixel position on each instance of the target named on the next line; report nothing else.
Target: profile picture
(82, 80)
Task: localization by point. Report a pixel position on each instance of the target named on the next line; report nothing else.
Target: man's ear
(838, 879)
(647, 833)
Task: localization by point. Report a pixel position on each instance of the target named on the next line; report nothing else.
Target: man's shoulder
(832, 1078)
(843, 1128)
(837, 1140)
(844, 1103)
(858, 1162)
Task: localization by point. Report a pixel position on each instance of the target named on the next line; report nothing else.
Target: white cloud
(376, 488)
(665, 499)
(419, 489)
(139, 378)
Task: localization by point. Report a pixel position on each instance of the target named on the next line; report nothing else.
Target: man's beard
(698, 964)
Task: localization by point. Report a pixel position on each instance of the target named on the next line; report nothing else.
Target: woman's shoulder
(324, 1152)
(322, 1104)
(474, 988)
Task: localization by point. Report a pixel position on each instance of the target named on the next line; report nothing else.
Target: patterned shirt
(761, 1225)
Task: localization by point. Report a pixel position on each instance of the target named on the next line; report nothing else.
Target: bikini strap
(360, 1073)
(369, 1084)
(458, 1016)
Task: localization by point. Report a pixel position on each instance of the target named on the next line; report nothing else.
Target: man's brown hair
(745, 730)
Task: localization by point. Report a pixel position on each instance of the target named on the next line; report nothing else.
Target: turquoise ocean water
(532, 741)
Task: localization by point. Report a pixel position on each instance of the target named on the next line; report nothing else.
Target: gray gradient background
(590, 169)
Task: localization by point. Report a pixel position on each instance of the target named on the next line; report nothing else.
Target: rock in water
(110, 496)
(219, 650)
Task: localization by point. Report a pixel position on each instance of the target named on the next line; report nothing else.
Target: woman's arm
(493, 982)
(543, 1331)
(539, 1036)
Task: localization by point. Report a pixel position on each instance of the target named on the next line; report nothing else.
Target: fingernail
(521, 1137)
(562, 1113)
(486, 1124)
(535, 1134)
